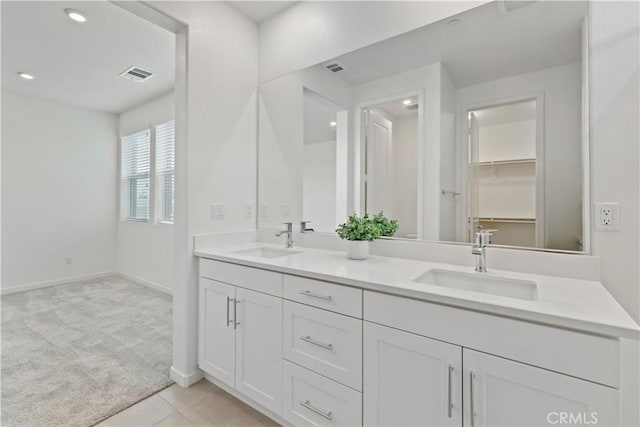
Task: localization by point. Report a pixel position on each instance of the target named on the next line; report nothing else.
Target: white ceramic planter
(358, 249)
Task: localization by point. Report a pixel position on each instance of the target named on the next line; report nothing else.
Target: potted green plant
(387, 226)
(359, 231)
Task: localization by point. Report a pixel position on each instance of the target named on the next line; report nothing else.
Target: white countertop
(570, 303)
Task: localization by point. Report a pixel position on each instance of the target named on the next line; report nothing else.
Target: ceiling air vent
(136, 74)
(412, 107)
(334, 67)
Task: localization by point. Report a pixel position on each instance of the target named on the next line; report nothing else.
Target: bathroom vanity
(311, 338)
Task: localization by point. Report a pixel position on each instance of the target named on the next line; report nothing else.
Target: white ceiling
(509, 113)
(485, 45)
(259, 11)
(396, 109)
(79, 64)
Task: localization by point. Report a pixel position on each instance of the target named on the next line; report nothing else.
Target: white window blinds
(135, 176)
(165, 171)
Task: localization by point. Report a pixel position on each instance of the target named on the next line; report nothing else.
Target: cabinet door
(217, 337)
(410, 380)
(259, 348)
(500, 392)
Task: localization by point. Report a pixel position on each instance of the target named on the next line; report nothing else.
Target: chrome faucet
(304, 228)
(483, 238)
(289, 232)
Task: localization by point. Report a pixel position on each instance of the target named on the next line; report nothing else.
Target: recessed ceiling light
(26, 76)
(333, 124)
(406, 102)
(453, 22)
(75, 15)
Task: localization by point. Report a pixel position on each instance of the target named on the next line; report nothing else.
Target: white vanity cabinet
(410, 380)
(325, 354)
(405, 373)
(240, 336)
(500, 392)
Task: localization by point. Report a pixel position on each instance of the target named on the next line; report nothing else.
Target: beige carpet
(75, 354)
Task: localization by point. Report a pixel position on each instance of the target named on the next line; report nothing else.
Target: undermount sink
(481, 282)
(267, 253)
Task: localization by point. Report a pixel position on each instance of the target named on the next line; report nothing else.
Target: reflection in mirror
(319, 179)
(495, 138)
(503, 173)
(302, 156)
(390, 170)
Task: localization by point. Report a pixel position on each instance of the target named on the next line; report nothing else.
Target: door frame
(360, 131)
(463, 154)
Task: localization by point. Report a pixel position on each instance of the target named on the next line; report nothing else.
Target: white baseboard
(146, 283)
(48, 283)
(185, 380)
(73, 279)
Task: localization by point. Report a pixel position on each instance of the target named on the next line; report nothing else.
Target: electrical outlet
(217, 211)
(606, 216)
(263, 210)
(249, 210)
(68, 260)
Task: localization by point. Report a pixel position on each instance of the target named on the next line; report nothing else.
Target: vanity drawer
(311, 399)
(330, 296)
(327, 343)
(264, 281)
(590, 357)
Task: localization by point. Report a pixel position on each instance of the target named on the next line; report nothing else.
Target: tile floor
(202, 404)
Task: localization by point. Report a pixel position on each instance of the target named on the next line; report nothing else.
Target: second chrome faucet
(289, 231)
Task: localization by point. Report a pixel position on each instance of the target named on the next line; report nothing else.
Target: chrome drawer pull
(229, 321)
(450, 406)
(472, 409)
(327, 415)
(313, 295)
(318, 343)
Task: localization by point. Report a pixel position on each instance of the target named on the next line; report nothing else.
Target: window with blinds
(135, 172)
(165, 171)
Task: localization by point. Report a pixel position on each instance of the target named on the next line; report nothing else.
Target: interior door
(217, 336)
(473, 185)
(500, 392)
(258, 320)
(378, 171)
(410, 380)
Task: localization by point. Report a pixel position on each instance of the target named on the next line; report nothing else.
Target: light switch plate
(217, 211)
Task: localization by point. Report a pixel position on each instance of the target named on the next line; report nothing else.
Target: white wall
(316, 31)
(615, 58)
(215, 147)
(59, 186)
(507, 141)
(562, 141)
(145, 250)
(405, 179)
(319, 185)
(448, 171)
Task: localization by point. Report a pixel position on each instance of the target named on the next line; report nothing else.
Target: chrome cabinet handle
(313, 295)
(318, 343)
(472, 406)
(228, 320)
(307, 404)
(235, 314)
(450, 408)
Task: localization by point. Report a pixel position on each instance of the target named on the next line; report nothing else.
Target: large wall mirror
(477, 122)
